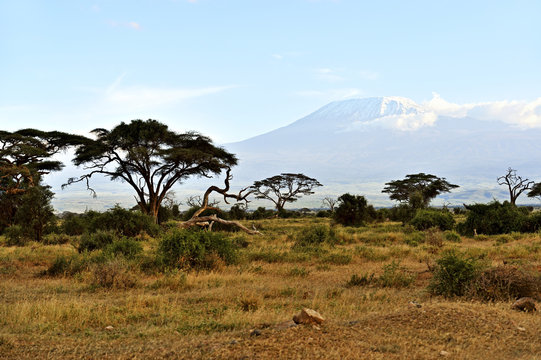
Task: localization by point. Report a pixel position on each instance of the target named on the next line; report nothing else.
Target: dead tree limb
(198, 220)
(516, 185)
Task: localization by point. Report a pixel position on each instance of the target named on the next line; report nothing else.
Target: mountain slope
(360, 143)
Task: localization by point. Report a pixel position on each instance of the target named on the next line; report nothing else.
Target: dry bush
(504, 283)
(249, 303)
(434, 237)
(114, 274)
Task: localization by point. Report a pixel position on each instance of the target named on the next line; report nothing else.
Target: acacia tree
(417, 190)
(284, 188)
(150, 158)
(535, 190)
(25, 155)
(515, 184)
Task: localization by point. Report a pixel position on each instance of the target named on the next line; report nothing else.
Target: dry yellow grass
(210, 314)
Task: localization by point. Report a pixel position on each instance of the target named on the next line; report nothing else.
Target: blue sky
(234, 69)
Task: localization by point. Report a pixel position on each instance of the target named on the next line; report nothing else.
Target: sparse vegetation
(150, 287)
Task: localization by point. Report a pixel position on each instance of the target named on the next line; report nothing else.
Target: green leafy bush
(425, 219)
(96, 241)
(452, 236)
(493, 218)
(71, 265)
(453, 274)
(75, 224)
(196, 249)
(122, 221)
(56, 239)
(15, 236)
(125, 222)
(353, 210)
(127, 247)
(315, 235)
(414, 238)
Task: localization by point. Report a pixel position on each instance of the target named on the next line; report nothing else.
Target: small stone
(444, 353)
(308, 316)
(526, 304)
(109, 328)
(520, 328)
(415, 304)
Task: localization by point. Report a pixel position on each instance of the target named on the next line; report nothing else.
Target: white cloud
(277, 56)
(404, 122)
(518, 112)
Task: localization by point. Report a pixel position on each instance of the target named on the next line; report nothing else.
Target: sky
(235, 69)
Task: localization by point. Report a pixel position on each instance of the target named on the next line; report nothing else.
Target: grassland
(210, 314)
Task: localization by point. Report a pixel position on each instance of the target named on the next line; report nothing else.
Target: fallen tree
(209, 220)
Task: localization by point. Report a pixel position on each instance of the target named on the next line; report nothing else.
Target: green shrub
(127, 247)
(96, 241)
(532, 223)
(415, 238)
(15, 236)
(260, 213)
(492, 219)
(353, 210)
(71, 265)
(503, 239)
(315, 235)
(453, 274)
(403, 213)
(195, 249)
(425, 219)
(119, 220)
(59, 267)
(125, 222)
(56, 239)
(75, 225)
(452, 236)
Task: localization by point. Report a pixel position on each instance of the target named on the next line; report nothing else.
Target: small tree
(35, 212)
(515, 184)
(353, 210)
(417, 190)
(284, 188)
(329, 202)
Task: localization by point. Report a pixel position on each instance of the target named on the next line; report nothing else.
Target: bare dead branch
(199, 220)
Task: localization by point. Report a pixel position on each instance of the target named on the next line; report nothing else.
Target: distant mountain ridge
(359, 144)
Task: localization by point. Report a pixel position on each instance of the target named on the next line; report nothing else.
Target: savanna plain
(382, 289)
